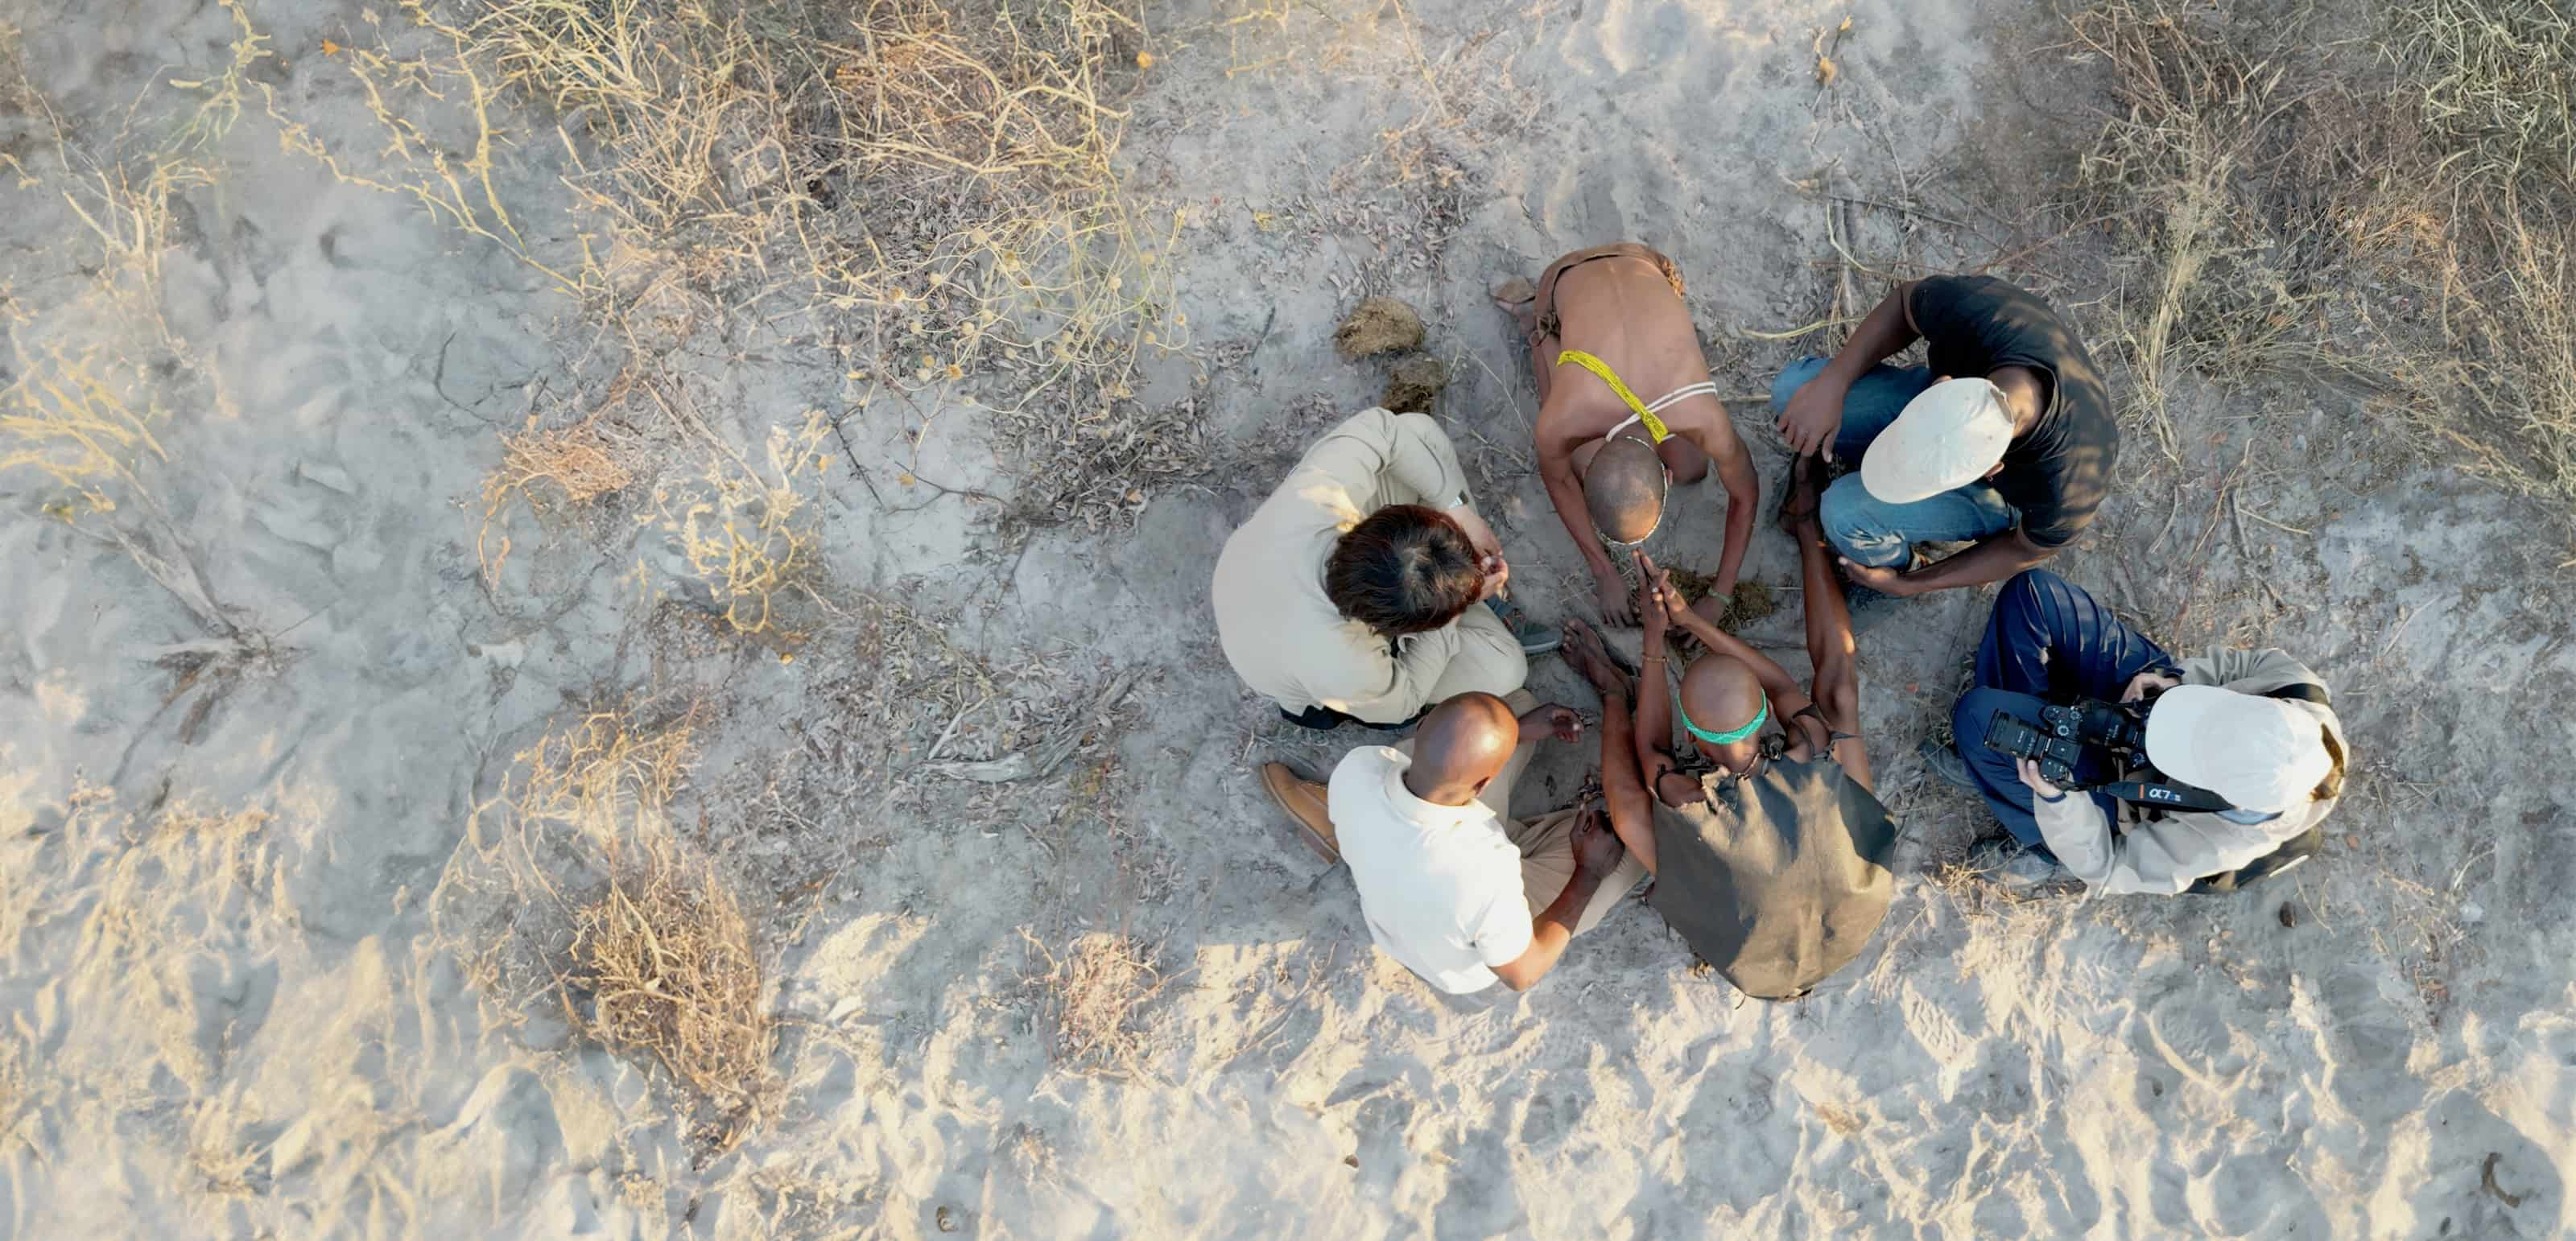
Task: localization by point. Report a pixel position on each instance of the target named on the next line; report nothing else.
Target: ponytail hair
(2331, 787)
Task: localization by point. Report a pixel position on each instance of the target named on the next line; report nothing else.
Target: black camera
(2092, 744)
(2081, 746)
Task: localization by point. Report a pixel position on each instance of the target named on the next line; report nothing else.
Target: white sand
(234, 1021)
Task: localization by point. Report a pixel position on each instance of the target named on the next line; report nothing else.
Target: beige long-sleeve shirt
(2165, 856)
(1280, 631)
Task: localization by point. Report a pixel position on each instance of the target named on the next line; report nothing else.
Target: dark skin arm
(1626, 762)
(1815, 411)
(1565, 491)
(1653, 743)
(1596, 854)
(1631, 816)
(1829, 635)
(1786, 697)
(1994, 558)
(1735, 471)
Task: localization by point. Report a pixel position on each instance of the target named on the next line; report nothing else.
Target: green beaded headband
(1726, 738)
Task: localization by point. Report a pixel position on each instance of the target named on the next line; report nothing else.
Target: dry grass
(432, 101)
(86, 418)
(2251, 179)
(2495, 85)
(548, 467)
(923, 187)
(572, 894)
(747, 531)
(1092, 1000)
(2394, 214)
(665, 955)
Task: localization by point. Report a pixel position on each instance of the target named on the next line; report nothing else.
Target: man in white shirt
(1452, 886)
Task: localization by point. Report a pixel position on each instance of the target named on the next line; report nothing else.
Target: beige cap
(1946, 437)
(2258, 753)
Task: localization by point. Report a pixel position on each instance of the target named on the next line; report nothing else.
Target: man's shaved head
(1721, 694)
(1624, 488)
(1462, 744)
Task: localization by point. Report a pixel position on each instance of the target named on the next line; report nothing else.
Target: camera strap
(2303, 691)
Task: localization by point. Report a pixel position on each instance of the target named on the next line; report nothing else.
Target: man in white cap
(2254, 727)
(2006, 438)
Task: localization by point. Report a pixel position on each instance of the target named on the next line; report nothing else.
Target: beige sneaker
(1305, 802)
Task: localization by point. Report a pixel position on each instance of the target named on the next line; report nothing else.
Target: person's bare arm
(1815, 411)
(1565, 491)
(1595, 855)
(1994, 558)
(1786, 698)
(1654, 741)
(1830, 645)
(1734, 464)
(1623, 786)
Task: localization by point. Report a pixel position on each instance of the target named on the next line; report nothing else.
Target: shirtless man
(1626, 409)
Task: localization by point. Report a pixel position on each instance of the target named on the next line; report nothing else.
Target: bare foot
(1803, 498)
(1519, 299)
(1584, 653)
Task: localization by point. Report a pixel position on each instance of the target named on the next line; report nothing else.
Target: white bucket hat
(1946, 437)
(2258, 753)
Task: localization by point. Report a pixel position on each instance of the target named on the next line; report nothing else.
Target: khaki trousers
(1546, 842)
(1489, 660)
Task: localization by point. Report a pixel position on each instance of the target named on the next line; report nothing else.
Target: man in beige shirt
(1360, 588)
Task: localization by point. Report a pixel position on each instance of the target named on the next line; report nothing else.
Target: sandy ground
(226, 1008)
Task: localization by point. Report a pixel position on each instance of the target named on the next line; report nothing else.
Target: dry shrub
(83, 420)
(547, 467)
(432, 101)
(926, 186)
(2252, 177)
(666, 957)
(747, 532)
(580, 461)
(1092, 999)
(2396, 215)
(2495, 83)
(572, 893)
(83, 409)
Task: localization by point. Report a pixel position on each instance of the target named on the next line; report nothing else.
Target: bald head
(1460, 746)
(1624, 488)
(1721, 694)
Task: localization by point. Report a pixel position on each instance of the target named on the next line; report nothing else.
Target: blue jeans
(1871, 531)
(2047, 641)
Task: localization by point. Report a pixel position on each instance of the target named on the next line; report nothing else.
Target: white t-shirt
(1440, 885)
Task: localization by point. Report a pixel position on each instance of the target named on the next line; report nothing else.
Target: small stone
(1415, 385)
(1380, 325)
(2289, 914)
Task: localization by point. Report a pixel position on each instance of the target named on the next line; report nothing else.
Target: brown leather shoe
(1305, 802)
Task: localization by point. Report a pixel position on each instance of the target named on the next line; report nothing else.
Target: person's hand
(1597, 850)
(2038, 783)
(1884, 580)
(2146, 683)
(1656, 603)
(1612, 595)
(1498, 576)
(1479, 535)
(1553, 720)
(1814, 416)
